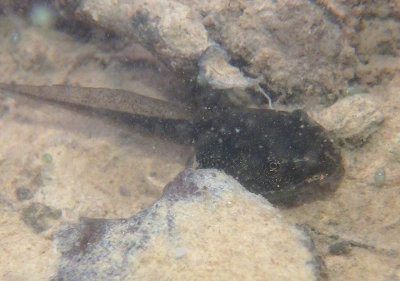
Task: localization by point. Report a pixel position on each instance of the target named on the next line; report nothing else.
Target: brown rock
(290, 45)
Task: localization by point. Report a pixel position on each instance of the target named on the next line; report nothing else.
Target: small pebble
(47, 158)
(380, 177)
(180, 252)
(351, 90)
(183, 232)
(15, 38)
(40, 217)
(24, 193)
(125, 191)
(342, 248)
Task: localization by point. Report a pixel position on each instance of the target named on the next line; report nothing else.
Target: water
(83, 163)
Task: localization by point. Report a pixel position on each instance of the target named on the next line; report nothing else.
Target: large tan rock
(206, 226)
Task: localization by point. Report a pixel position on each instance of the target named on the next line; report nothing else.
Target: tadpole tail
(105, 99)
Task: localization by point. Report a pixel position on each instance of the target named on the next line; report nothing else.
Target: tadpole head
(280, 155)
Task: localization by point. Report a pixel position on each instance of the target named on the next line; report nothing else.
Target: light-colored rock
(291, 46)
(353, 119)
(23, 256)
(173, 31)
(218, 73)
(297, 48)
(206, 226)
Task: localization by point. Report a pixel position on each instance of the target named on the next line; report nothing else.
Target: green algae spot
(380, 177)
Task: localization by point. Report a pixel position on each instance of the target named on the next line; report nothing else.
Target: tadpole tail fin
(106, 99)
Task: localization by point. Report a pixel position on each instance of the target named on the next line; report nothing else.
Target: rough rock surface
(353, 119)
(206, 226)
(297, 49)
(172, 30)
(372, 29)
(290, 46)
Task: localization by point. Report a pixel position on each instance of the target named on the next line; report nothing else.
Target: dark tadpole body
(280, 155)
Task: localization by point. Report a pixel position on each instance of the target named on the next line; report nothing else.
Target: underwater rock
(353, 119)
(171, 30)
(216, 72)
(206, 226)
(341, 248)
(23, 193)
(380, 177)
(291, 46)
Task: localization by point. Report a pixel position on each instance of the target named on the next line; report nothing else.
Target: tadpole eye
(273, 166)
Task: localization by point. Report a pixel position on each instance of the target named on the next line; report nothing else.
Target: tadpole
(280, 155)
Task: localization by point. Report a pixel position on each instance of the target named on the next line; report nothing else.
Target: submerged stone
(206, 226)
(353, 119)
(23, 193)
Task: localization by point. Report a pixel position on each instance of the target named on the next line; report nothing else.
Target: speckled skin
(280, 155)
